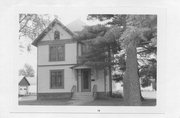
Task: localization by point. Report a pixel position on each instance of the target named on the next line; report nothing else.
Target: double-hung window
(56, 53)
(57, 79)
(85, 48)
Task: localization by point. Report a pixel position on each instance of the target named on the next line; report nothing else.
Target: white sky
(67, 18)
(27, 57)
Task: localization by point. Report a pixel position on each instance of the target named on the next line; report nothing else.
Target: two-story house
(59, 75)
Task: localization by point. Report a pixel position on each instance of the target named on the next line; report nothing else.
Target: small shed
(23, 86)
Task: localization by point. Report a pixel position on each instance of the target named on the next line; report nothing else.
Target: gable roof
(24, 82)
(51, 25)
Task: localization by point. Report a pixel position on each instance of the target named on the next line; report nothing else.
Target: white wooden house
(59, 74)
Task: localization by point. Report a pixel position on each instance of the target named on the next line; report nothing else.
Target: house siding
(44, 79)
(70, 55)
(99, 81)
(72, 51)
(23, 90)
(63, 34)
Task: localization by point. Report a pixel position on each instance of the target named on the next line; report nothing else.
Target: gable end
(51, 25)
(24, 82)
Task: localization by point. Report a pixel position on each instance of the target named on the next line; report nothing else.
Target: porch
(90, 83)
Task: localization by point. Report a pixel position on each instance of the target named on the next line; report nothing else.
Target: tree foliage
(31, 25)
(144, 28)
(99, 40)
(138, 30)
(148, 73)
(27, 71)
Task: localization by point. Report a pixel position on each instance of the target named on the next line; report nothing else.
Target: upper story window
(84, 49)
(56, 53)
(56, 35)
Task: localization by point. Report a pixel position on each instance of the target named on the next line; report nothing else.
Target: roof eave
(35, 42)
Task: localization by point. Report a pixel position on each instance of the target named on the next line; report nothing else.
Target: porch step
(83, 96)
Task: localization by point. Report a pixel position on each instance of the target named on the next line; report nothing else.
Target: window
(56, 35)
(85, 49)
(57, 53)
(57, 79)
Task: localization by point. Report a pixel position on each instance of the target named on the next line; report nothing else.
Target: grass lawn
(97, 102)
(150, 100)
(117, 102)
(45, 102)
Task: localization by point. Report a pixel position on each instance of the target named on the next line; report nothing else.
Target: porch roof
(80, 66)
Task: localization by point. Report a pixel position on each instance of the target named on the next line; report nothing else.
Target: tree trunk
(142, 98)
(110, 73)
(131, 82)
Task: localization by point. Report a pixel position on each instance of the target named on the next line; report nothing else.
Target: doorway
(86, 80)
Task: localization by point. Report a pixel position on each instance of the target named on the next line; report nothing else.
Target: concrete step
(83, 99)
(83, 93)
(83, 96)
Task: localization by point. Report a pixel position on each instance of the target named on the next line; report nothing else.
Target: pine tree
(137, 29)
(101, 43)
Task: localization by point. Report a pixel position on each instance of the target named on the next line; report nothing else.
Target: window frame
(57, 70)
(56, 32)
(56, 45)
(85, 49)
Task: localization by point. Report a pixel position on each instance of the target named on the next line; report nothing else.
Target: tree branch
(22, 19)
(25, 24)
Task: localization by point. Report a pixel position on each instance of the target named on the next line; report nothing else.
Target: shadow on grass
(97, 102)
(117, 102)
(45, 102)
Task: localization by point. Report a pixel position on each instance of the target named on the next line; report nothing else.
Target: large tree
(31, 25)
(137, 29)
(101, 44)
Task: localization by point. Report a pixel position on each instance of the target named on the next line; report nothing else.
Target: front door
(86, 80)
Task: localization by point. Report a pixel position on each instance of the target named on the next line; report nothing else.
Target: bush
(117, 94)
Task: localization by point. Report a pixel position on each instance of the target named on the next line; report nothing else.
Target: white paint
(63, 34)
(70, 55)
(23, 90)
(44, 79)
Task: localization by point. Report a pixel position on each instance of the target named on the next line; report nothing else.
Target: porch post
(77, 76)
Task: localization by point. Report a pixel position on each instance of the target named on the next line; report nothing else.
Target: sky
(69, 17)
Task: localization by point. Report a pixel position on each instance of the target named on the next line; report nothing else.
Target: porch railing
(73, 90)
(94, 91)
